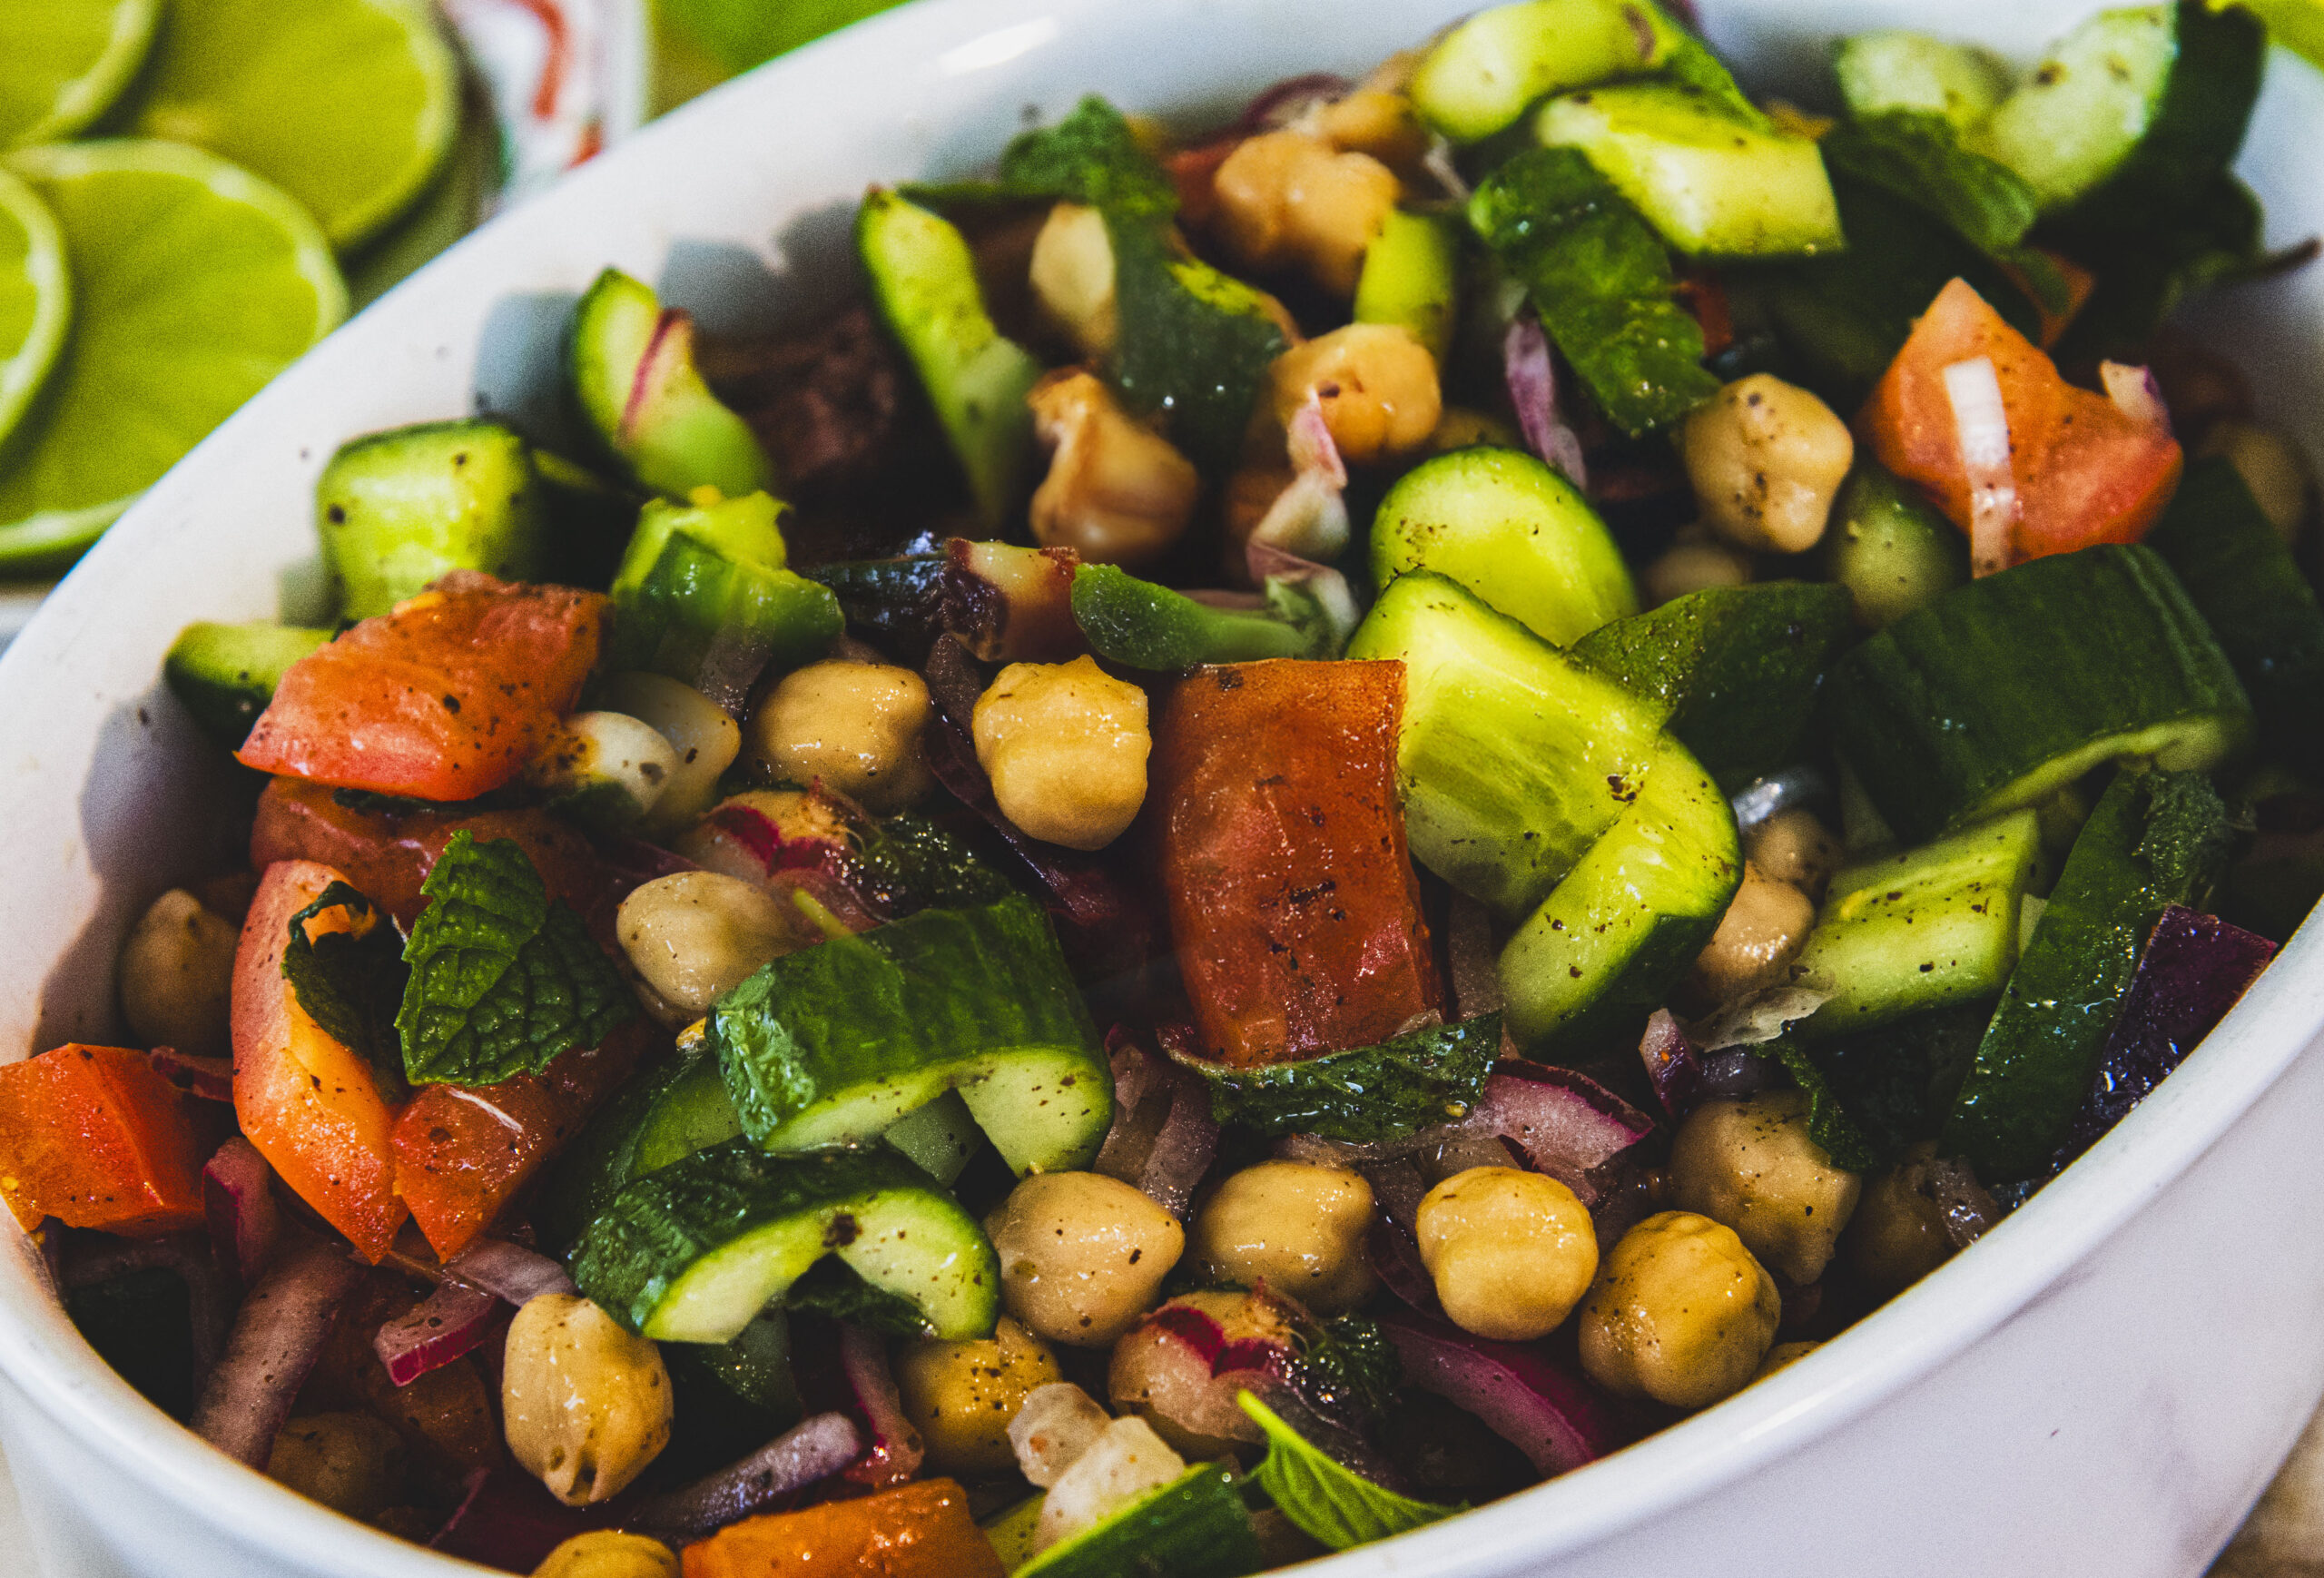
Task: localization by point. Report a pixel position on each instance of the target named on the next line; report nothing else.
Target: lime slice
(349, 105)
(35, 297)
(64, 61)
(194, 284)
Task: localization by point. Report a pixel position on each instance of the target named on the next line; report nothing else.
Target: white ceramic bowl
(2102, 1385)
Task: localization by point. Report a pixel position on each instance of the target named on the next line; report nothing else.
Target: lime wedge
(64, 61)
(194, 284)
(349, 105)
(35, 297)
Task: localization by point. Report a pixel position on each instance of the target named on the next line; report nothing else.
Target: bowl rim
(2035, 1249)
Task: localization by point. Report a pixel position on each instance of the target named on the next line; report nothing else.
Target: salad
(1325, 816)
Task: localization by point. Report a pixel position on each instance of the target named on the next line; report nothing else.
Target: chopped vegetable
(401, 510)
(96, 1138)
(225, 675)
(1364, 1094)
(921, 1529)
(705, 595)
(1328, 1503)
(632, 365)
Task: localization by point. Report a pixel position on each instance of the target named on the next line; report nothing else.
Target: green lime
(64, 61)
(194, 284)
(349, 105)
(35, 297)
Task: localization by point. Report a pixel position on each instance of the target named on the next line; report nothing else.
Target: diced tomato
(460, 1154)
(310, 1103)
(920, 1530)
(2085, 473)
(96, 1138)
(443, 699)
(1294, 905)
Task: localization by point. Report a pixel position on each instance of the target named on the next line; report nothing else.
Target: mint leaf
(502, 980)
(348, 983)
(1090, 157)
(1351, 1359)
(1329, 1503)
(1829, 1125)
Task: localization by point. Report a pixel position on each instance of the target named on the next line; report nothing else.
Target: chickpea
(1377, 383)
(585, 1404)
(606, 753)
(1748, 1163)
(1680, 1313)
(351, 1463)
(1765, 459)
(1897, 1235)
(1784, 1354)
(960, 1396)
(1289, 200)
(1376, 120)
(604, 1554)
(1065, 745)
(696, 936)
(1693, 567)
(853, 726)
(704, 738)
(1511, 1252)
(1295, 1225)
(177, 970)
(1081, 1255)
(1762, 931)
(1792, 846)
(2274, 470)
(1073, 278)
(1116, 493)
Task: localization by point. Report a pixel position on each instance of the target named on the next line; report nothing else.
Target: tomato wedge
(444, 698)
(2085, 473)
(309, 1102)
(920, 1530)
(96, 1138)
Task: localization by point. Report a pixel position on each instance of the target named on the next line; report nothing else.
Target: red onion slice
(448, 1323)
(208, 1079)
(508, 1271)
(1981, 426)
(1163, 1136)
(1309, 517)
(1566, 1123)
(1531, 375)
(1285, 100)
(238, 1201)
(812, 1450)
(1550, 1416)
(1671, 1065)
(1395, 1261)
(2135, 394)
(275, 1341)
(894, 1449)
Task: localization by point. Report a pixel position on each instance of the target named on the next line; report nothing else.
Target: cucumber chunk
(1515, 532)
(699, 584)
(1890, 548)
(224, 675)
(1364, 1094)
(924, 284)
(1735, 668)
(2003, 691)
(1931, 927)
(2133, 112)
(834, 1045)
(1143, 626)
(1627, 920)
(630, 362)
(398, 510)
(1513, 757)
(1482, 74)
(663, 1114)
(940, 1137)
(1889, 69)
(1412, 278)
(1193, 1527)
(1711, 184)
(693, 1252)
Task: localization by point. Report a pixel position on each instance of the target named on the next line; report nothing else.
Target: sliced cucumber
(755, 1365)
(1482, 74)
(701, 583)
(398, 510)
(1736, 669)
(632, 365)
(924, 283)
(694, 1251)
(940, 1137)
(1412, 278)
(224, 675)
(1712, 185)
(1890, 548)
(1606, 947)
(1141, 625)
(1890, 69)
(1012, 1532)
(1513, 757)
(1931, 927)
(2134, 113)
(1512, 530)
(666, 1112)
(1193, 1527)
(2003, 691)
(835, 1044)
(1364, 1094)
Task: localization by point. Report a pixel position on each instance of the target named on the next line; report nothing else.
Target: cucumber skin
(1515, 532)
(1921, 708)
(1143, 626)
(834, 1043)
(684, 438)
(225, 675)
(1195, 1526)
(1412, 279)
(1364, 1094)
(398, 509)
(660, 1115)
(637, 1253)
(1893, 553)
(1482, 74)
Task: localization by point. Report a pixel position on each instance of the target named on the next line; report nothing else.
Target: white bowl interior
(739, 205)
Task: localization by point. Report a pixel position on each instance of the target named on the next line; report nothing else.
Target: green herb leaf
(350, 984)
(1828, 1123)
(1918, 156)
(2144, 275)
(1092, 157)
(1364, 1094)
(911, 863)
(1351, 1356)
(503, 982)
(1329, 1503)
(1601, 280)
(1897, 1084)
